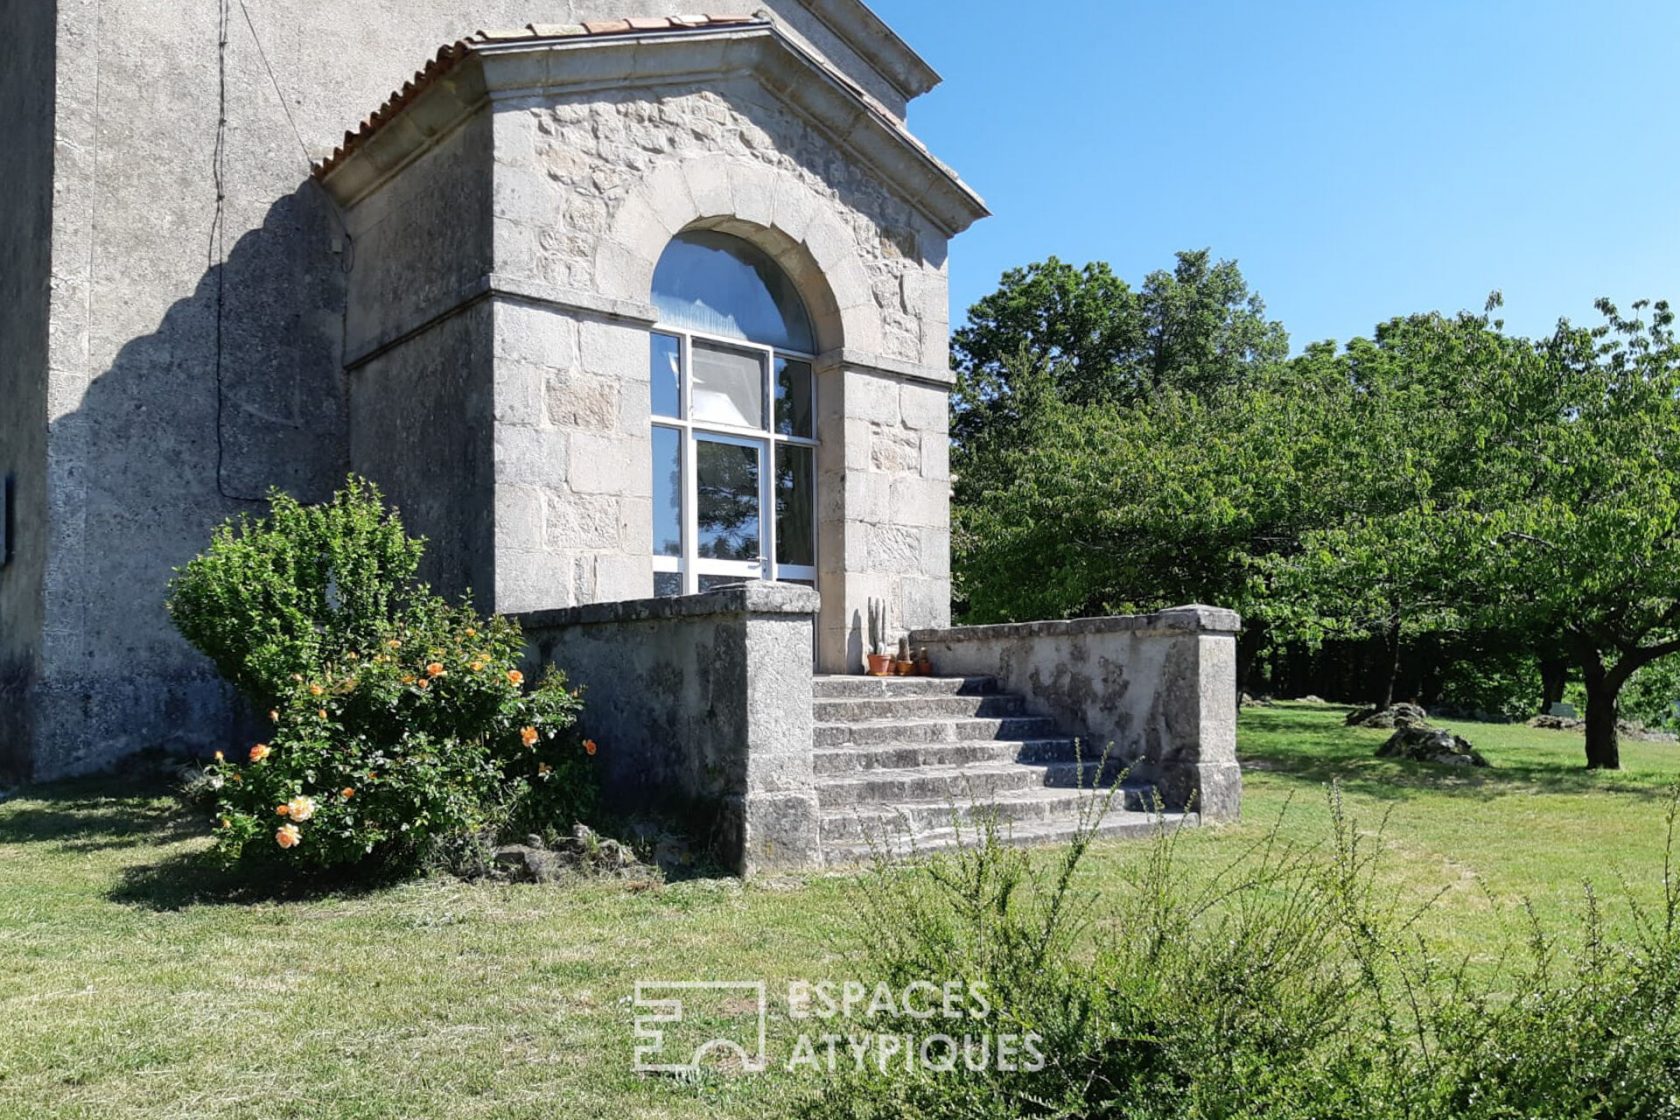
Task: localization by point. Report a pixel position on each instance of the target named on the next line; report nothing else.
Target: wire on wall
(217, 249)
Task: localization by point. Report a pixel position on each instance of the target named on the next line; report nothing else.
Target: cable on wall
(217, 249)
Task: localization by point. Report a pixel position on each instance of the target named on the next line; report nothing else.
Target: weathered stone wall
(26, 82)
(197, 311)
(1158, 690)
(589, 188)
(420, 421)
(701, 704)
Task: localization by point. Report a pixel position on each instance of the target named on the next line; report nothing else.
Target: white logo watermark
(683, 1026)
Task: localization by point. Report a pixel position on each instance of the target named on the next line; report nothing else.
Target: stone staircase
(907, 763)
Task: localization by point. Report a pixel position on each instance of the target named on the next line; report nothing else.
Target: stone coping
(1196, 618)
(756, 597)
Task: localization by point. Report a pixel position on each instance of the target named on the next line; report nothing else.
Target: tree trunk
(1603, 750)
(1554, 677)
(1392, 638)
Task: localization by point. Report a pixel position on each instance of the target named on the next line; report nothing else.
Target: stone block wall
(1159, 691)
(701, 707)
(193, 345)
(26, 186)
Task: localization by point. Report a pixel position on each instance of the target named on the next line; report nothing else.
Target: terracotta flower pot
(880, 665)
(905, 668)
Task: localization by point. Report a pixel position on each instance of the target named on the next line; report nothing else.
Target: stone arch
(774, 210)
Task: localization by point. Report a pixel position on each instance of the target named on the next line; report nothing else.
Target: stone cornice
(525, 68)
(877, 44)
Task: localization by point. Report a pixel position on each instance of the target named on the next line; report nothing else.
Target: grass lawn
(130, 987)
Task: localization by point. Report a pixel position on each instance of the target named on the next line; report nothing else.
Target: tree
(1098, 341)
(1065, 373)
(1579, 540)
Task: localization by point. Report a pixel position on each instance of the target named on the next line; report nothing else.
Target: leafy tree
(1579, 537)
(1098, 341)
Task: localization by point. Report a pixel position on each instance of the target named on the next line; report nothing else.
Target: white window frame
(690, 565)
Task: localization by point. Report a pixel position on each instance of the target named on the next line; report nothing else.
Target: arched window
(734, 419)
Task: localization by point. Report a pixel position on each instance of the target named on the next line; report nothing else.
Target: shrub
(1289, 985)
(399, 720)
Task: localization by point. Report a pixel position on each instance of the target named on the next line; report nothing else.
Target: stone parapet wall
(701, 705)
(1158, 690)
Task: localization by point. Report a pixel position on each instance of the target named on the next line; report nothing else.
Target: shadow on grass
(92, 815)
(1313, 745)
(190, 879)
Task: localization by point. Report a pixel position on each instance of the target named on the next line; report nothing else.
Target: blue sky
(1358, 159)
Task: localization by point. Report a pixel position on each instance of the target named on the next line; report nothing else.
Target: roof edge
(508, 64)
(879, 45)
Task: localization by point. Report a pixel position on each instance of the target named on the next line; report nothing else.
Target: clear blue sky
(1359, 159)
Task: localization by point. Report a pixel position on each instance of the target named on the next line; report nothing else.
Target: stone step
(858, 824)
(1058, 829)
(957, 784)
(953, 730)
(867, 688)
(882, 708)
(903, 756)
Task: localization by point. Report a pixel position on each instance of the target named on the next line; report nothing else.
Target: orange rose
(471, 633)
(347, 793)
(589, 747)
(435, 669)
(322, 712)
(259, 752)
(408, 678)
(288, 836)
(515, 676)
(282, 810)
(424, 684)
(394, 644)
(301, 808)
(274, 715)
(316, 690)
(476, 666)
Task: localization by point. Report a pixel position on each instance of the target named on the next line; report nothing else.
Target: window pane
(667, 584)
(726, 475)
(667, 376)
(728, 387)
(717, 284)
(795, 502)
(793, 397)
(667, 492)
(712, 583)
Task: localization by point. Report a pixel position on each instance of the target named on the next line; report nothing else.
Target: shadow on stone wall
(239, 388)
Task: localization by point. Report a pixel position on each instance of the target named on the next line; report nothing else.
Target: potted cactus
(905, 665)
(880, 665)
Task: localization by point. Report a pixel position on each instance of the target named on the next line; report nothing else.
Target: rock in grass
(1430, 744)
(1395, 715)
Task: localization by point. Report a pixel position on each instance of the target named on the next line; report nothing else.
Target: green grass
(135, 981)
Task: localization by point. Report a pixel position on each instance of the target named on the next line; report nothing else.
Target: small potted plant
(880, 665)
(924, 663)
(905, 665)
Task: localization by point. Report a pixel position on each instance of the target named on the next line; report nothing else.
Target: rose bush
(398, 719)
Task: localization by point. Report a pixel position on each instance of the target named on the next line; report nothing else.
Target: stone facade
(182, 328)
(1156, 691)
(506, 245)
(705, 703)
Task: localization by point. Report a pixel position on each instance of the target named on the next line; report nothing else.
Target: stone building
(641, 318)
